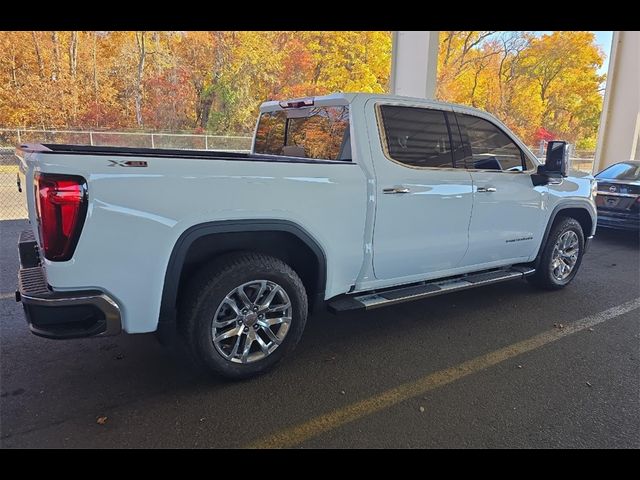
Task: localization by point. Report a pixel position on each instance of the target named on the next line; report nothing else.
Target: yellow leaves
(216, 80)
(550, 81)
(350, 61)
(213, 80)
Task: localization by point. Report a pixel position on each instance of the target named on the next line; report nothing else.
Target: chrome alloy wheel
(251, 321)
(565, 255)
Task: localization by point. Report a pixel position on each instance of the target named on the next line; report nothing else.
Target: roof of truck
(347, 98)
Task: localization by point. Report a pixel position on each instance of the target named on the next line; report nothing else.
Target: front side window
(489, 148)
(316, 132)
(417, 137)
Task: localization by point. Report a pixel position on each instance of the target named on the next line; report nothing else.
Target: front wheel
(243, 313)
(561, 257)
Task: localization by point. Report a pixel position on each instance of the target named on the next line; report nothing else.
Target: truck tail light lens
(61, 207)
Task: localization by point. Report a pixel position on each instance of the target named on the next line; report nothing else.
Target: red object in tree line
(544, 134)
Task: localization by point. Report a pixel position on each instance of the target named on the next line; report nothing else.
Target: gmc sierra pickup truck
(347, 202)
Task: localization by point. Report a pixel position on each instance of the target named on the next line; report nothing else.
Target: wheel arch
(200, 243)
(581, 211)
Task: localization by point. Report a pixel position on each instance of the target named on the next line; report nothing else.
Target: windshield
(621, 171)
(317, 132)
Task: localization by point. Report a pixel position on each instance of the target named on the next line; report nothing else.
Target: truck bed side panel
(136, 214)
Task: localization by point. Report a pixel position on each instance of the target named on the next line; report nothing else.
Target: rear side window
(488, 147)
(621, 171)
(319, 133)
(417, 137)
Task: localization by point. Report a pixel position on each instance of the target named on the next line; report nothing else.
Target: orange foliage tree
(215, 81)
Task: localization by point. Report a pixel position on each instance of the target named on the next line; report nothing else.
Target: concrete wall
(619, 134)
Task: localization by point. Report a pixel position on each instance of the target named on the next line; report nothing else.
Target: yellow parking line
(299, 433)
(7, 295)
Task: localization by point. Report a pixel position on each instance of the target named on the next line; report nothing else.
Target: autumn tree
(531, 83)
(215, 81)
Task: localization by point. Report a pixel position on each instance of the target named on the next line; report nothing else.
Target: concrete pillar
(414, 64)
(619, 132)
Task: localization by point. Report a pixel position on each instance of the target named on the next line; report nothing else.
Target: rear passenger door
(507, 207)
(423, 204)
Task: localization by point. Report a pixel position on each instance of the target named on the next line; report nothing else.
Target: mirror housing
(556, 163)
(557, 160)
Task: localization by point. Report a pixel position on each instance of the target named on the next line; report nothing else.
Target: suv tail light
(61, 207)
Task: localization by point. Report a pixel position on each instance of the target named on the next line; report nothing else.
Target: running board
(391, 296)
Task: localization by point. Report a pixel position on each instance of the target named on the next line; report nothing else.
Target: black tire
(209, 287)
(543, 278)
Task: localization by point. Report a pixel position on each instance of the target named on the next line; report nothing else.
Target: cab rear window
(318, 132)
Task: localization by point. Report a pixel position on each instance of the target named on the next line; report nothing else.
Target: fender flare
(168, 311)
(572, 204)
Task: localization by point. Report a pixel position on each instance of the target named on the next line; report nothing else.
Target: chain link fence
(578, 159)
(12, 136)
(13, 203)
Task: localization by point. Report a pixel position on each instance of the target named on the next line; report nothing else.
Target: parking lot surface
(499, 366)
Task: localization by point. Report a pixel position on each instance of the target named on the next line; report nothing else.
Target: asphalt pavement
(503, 366)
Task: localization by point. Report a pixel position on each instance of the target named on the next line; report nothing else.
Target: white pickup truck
(346, 202)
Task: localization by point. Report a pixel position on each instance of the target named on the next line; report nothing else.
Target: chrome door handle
(396, 190)
(487, 189)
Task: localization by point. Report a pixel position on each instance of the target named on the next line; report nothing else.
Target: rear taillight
(61, 204)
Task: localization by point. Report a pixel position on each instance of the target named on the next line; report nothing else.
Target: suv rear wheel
(243, 313)
(562, 255)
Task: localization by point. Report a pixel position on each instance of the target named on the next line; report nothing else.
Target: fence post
(152, 142)
(206, 141)
(91, 138)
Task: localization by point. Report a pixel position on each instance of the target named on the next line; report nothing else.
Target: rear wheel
(562, 255)
(243, 313)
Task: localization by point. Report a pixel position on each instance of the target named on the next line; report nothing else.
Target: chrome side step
(382, 298)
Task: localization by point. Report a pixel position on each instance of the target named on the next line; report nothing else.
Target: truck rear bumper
(60, 315)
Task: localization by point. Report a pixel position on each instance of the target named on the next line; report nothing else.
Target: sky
(604, 40)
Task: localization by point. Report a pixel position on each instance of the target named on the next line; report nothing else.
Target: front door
(423, 204)
(507, 207)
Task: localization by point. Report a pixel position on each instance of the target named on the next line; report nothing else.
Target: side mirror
(556, 164)
(557, 161)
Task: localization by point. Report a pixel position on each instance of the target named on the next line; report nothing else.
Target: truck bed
(67, 149)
